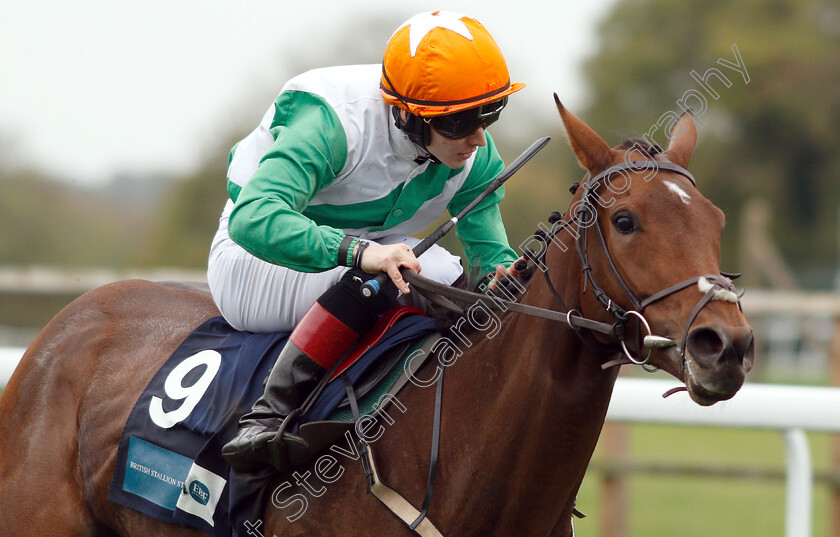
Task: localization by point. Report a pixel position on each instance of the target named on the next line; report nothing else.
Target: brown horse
(522, 410)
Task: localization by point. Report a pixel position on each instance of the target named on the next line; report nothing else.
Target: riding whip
(371, 287)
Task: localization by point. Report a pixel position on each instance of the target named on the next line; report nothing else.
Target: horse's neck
(536, 418)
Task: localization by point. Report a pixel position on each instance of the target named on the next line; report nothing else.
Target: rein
(430, 288)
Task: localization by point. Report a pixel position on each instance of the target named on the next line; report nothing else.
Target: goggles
(462, 124)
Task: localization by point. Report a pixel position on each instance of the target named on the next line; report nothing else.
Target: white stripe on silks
(249, 151)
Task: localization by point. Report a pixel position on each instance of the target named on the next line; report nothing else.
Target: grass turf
(661, 505)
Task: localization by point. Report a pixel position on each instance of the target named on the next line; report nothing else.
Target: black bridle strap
(644, 165)
(670, 290)
(606, 251)
(590, 185)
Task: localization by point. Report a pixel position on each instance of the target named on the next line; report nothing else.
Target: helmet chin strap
(417, 130)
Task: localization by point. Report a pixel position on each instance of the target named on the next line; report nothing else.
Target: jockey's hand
(502, 272)
(389, 258)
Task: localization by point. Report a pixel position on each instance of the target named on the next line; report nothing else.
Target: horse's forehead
(669, 191)
(678, 190)
(667, 186)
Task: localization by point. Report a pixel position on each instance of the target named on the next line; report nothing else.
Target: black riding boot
(292, 378)
(327, 330)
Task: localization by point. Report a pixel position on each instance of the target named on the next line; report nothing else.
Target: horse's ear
(682, 139)
(591, 150)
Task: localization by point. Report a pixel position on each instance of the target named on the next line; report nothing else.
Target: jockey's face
(454, 153)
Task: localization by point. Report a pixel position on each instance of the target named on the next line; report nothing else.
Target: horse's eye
(624, 223)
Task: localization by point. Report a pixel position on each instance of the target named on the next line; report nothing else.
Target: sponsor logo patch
(155, 473)
(199, 492)
(202, 493)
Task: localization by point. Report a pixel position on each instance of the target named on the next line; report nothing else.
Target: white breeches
(258, 296)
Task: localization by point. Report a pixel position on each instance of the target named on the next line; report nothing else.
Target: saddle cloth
(169, 463)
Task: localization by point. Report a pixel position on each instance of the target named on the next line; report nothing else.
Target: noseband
(714, 285)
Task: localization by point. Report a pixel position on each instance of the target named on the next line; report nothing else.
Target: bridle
(585, 217)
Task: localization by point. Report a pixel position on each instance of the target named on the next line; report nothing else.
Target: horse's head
(649, 245)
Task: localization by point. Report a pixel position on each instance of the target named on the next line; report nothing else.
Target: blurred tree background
(773, 138)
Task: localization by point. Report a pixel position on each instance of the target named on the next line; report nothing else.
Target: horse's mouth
(704, 397)
(709, 393)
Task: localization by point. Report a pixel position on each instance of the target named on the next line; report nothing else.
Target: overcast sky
(91, 88)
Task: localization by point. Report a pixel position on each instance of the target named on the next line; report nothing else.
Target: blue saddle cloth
(169, 463)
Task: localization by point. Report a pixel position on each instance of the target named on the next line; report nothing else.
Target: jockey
(345, 165)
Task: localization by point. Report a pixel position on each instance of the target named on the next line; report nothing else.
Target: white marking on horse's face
(673, 187)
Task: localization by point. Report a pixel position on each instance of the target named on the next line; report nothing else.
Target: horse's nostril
(721, 345)
(705, 343)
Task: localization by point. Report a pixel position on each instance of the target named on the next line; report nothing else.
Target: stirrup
(281, 451)
(287, 450)
(287, 422)
(295, 447)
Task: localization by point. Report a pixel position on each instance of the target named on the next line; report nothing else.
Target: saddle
(169, 463)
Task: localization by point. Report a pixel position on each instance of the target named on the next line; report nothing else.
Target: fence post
(614, 481)
(800, 483)
(835, 439)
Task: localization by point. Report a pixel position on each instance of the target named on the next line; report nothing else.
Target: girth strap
(399, 505)
(393, 500)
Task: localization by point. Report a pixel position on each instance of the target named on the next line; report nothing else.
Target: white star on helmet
(423, 23)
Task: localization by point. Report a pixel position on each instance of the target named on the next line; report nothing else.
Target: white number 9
(174, 388)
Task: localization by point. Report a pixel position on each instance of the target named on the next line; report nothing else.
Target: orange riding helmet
(442, 62)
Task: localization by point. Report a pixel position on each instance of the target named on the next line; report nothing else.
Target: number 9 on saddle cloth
(169, 464)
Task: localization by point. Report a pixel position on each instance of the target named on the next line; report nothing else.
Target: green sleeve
(310, 148)
(481, 231)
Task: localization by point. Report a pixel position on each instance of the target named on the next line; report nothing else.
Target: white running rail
(9, 358)
(789, 409)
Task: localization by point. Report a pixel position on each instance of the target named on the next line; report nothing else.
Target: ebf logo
(199, 492)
